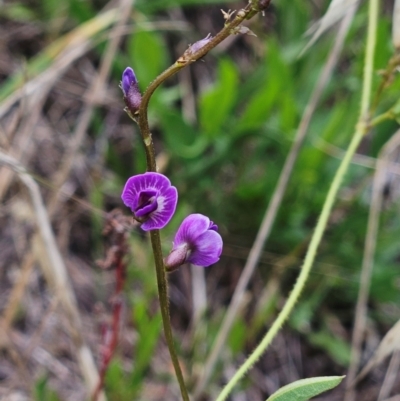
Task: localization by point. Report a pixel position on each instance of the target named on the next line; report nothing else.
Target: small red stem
(111, 345)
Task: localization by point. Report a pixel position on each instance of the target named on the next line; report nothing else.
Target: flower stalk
(230, 27)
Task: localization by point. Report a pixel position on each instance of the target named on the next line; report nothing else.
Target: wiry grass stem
(360, 131)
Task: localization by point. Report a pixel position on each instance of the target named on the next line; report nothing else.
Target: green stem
(387, 76)
(360, 131)
(388, 115)
(162, 282)
(143, 119)
(164, 305)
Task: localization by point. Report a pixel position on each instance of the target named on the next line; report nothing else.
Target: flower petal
(207, 250)
(142, 182)
(145, 185)
(166, 201)
(128, 77)
(145, 202)
(192, 227)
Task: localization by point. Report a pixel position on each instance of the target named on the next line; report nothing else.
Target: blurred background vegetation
(222, 129)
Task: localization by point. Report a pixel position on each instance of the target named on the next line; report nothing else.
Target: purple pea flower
(130, 88)
(196, 241)
(151, 198)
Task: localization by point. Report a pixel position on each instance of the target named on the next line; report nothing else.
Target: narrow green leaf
(181, 138)
(148, 56)
(216, 103)
(303, 390)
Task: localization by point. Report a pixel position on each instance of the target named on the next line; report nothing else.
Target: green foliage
(238, 336)
(303, 390)
(147, 56)
(81, 10)
(215, 104)
(338, 349)
(42, 391)
(182, 138)
(149, 329)
(17, 11)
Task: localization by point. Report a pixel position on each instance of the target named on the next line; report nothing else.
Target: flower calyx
(192, 49)
(242, 30)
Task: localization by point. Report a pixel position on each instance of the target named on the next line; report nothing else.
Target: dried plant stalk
(56, 272)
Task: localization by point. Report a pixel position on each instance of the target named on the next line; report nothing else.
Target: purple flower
(151, 198)
(196, 241)
(130, 88)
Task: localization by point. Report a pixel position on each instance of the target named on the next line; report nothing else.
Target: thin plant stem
(388, 115)
(162, 284)
(360, 131)
(187, 58)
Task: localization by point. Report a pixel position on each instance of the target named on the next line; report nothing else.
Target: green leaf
(303, 390)
(217, 102)
(17, 12)
(274, 91)
(259, 106)
(81, 10)
(182, 139)
(147, 56)
(42, 392)
(237, 336)
(338, 349)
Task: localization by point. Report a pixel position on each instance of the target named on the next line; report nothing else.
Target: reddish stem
(110, 344)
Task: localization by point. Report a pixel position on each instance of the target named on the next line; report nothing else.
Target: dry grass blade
(369, 251)
(273, 206)
(394, 398)
(21, 148)
(57, 272)
(58, 56)
(336, 11)
(94, 93)
(389, 344)
(390, 377)
(17, 293)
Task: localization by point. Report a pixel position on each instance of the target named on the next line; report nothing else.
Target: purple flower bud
(130, 88)
(196, 241)
(128, 78)
(151, 198)
(196, 46)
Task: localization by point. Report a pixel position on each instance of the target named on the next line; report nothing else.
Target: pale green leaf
(303, 390)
